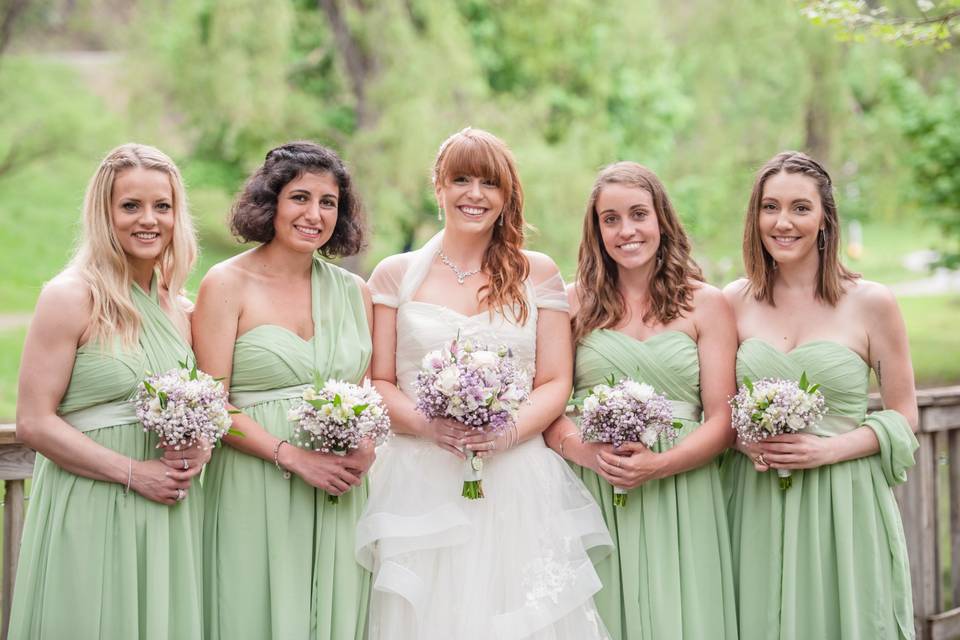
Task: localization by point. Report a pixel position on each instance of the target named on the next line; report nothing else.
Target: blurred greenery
(702, 92)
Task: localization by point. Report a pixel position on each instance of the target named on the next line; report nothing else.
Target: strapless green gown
(96, 563)
(670, 575)
(278, 557)
(825, 559)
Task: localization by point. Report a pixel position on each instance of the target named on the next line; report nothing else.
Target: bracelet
(276, 459)
(126, 489)
(564, 439)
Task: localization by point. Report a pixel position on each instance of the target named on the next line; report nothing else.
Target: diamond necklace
(461, 275)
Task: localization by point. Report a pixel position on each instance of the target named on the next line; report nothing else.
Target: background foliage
(701, 91)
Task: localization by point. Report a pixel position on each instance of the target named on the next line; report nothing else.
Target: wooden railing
(929, 503)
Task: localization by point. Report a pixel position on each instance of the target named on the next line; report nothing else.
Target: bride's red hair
(474, 152)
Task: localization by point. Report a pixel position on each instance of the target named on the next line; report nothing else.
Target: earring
(659, 258)
(822, 240)
(500, 220)
(439, 214)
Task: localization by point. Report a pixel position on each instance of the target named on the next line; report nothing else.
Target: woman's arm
(717, 351)
(59, 322)
(215, 321)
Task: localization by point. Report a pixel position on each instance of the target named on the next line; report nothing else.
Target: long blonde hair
(671, 289)
(100, 259)
(475, 152)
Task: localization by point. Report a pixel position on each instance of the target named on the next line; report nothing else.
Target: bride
(514, 564)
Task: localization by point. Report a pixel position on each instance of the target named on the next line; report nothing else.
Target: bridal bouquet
(184, 406)
(772, 406)
(627, 411)
(335, 416)
(477, 386)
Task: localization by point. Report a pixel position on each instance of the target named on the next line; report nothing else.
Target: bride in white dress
(514, 564)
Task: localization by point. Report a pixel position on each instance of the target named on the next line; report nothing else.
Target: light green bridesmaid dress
(826, 558)
(670, 575)
(278, 557)
(96, 563)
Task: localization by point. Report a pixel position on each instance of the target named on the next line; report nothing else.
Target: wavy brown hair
(757, 261)
(474, 152)
(602, 305)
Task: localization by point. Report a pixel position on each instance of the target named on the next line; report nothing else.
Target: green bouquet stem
(619, 497)
(786, 479)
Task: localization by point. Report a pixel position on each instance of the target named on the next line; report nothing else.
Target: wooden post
(12, 532)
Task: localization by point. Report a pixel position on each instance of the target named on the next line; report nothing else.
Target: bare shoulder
(707, 295)
(542, 266)
(737, 292)
(225, 276)
(66, 292)
(870, 297)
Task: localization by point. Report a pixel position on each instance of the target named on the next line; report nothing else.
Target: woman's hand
(585, 454)
(756, 455)
(326, 471)
(447, 434)
(156, 481)
(189, 460)
(360, 460)
(796, 451)
(629, 465)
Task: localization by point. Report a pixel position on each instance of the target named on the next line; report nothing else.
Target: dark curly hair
(251, 218)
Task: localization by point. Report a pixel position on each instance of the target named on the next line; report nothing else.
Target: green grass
(11, 344)
(934, 340)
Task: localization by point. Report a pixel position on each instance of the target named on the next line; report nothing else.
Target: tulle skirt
(515, 564)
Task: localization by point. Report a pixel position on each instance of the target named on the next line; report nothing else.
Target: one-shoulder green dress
(670, 575)
(826, 558)
(278, 557)
(97, 563)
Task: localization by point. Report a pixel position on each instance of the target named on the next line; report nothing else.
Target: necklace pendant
(460, 278)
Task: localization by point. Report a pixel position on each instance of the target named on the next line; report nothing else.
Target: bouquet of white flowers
(184, 406)
(335, 416)
(771, 406)
(627, 411)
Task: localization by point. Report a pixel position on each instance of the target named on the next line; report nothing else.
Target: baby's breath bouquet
(626, 411)
(480, 387)
(772, 406)
(184, 406)
(335, 416)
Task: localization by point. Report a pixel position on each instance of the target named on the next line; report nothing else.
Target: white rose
(309, 394)
(795, 422)
(155, 407)
(641, 392)
(649, 437)
(484, 359)
(601, 391)
(448, 381)
(591, 403)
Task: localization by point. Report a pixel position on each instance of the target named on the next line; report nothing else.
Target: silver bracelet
(276, 459)
(126, 489)
(564, 439)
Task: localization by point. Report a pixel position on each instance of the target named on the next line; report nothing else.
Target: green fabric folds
(278, 557)
(826, 558)
(96, 563)
(670, 575)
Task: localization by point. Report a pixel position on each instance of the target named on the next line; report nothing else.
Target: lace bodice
(423, 326)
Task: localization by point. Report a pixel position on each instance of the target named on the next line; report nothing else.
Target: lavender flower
(477, 386)
(337, 416)
(772, 406)
(627, 411)
(184, 407)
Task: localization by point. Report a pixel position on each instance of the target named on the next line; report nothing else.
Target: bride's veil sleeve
(550, 293)
(397, 278)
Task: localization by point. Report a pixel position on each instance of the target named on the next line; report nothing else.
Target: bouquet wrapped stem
(627, 411)
(335, 417)
(478, 387)
(772, 406)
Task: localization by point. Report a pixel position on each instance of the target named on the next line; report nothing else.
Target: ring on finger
(181, 494)
(760, 460)
(617, 462)
(186, 464)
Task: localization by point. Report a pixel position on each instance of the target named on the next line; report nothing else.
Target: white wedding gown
(512, 565)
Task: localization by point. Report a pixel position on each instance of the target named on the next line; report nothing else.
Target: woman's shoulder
(870, 297)
(67, 291)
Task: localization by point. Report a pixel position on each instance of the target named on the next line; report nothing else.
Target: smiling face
(141, 208)
(306, 212)
(470, 202)
(790, 217)
(628, 225)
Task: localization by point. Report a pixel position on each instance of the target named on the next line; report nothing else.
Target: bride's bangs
(470, 154)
